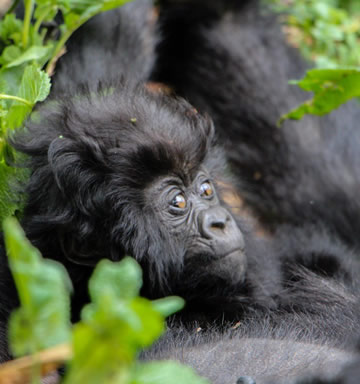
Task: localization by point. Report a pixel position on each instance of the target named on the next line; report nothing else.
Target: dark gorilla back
(234, 64)
(118, 43)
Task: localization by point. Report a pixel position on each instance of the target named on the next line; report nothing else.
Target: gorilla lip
(231, 253)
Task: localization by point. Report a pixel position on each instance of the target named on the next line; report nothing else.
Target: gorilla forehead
(135, 130)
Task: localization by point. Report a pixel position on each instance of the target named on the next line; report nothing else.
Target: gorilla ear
(76, 164)
(79, 167)
(210, 127)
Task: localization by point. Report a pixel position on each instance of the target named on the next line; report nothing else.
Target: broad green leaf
(34, 53)
(72, 21)
(10, 29)
(165, 372)
(46, 10)
(113, 289)
(121, 280)
(115, 326)
(10, 79)
(97, 358)
(10, 200)
(34, 87)
(9, 54)
(331, 88)
(43, 319)
(35, 84)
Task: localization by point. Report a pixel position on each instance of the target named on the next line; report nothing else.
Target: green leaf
(115, 326)
(122, 280)
(80, 6)
(43, 319)
(110, 4)
(82, 10)
(86, 7)
(10, 200)
(36, 53)
(166, 372)
(34, 87)
(10, 53)
(46, 10)
(10, 79)
(331, 87)
(168, 305)
(10, 29)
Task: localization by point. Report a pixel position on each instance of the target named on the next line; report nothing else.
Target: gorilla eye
(179, 201)
(206, 190)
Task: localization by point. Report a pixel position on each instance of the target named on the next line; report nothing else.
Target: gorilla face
(192, 211)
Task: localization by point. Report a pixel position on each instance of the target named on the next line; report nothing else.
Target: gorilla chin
(230, 267)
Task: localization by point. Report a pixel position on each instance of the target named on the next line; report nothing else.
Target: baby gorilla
(123, 171)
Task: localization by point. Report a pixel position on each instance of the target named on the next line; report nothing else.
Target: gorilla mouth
(230, 266)
(232, 253)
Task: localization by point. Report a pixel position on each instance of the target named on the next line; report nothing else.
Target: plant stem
(64, 38)
(58, 48)
(41, 19)
(15, 98)
(29, 5)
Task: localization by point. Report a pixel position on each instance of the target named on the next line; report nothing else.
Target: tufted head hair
(92, 157)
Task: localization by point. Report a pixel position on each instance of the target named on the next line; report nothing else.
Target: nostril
(218, 225)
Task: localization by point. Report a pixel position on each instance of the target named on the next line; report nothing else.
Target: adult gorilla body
(234, 64)
(230, 60)
(123, 170)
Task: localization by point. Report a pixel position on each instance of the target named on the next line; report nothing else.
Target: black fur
(99, 159)
(123, 42)
(257, 350)
(234, 64)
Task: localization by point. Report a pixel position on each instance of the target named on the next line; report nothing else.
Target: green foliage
(115, 326)
(26, 46)
(34, 87)
(10, 202)
(113, 329)
(43, 319)
(331, 87)
(326, 31)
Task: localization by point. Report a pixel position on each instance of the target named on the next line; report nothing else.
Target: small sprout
(61, 137)
(133, 120)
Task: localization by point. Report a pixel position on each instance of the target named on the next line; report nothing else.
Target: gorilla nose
(217, 224)
(213, 222)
